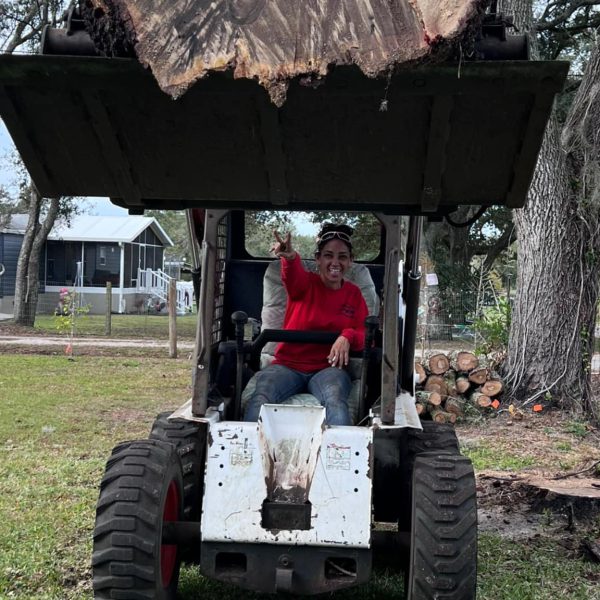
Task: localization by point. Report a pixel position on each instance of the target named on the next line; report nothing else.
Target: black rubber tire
(189, 439)
(141, 489)
(435, 437)
(443, 539)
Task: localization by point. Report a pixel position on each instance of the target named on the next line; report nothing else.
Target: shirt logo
(347, 310)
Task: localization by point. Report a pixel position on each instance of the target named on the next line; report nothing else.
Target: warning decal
(338, 457)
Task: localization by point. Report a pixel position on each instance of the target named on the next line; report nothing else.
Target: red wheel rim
(168, 552)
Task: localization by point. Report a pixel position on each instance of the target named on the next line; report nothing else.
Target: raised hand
(282, 247)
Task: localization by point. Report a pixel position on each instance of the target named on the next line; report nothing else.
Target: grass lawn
(123, 326)
(59, 420)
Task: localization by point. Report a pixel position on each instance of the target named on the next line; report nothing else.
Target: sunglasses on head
(330, 235)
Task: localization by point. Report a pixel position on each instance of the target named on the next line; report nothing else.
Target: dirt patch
(111, 351)
(550, 442)
(557, 495)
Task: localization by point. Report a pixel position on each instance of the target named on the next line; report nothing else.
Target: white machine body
(290, 455)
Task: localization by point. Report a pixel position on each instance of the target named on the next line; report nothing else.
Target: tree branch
(564, 16)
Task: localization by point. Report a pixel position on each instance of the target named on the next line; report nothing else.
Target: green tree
(21, 26)
(366, 230)
(174, 222)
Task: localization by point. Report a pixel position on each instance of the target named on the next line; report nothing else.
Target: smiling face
(333, 261)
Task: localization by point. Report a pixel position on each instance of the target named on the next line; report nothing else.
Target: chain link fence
(448, 320)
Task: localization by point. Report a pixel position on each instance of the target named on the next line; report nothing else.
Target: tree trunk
(275, 41)
(554, 311)
(27, 282)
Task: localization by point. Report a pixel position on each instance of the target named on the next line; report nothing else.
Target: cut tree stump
(276, 41)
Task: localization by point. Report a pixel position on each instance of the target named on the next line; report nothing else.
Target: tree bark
(27, 282)
(554, 311)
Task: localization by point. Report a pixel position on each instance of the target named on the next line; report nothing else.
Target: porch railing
(156, 285)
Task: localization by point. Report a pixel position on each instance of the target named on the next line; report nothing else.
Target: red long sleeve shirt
(314, 307)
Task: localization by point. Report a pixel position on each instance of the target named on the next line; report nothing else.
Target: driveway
(38, 340)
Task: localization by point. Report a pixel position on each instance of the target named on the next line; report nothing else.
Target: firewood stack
(448, 384)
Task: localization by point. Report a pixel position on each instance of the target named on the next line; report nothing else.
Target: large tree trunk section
(277, 40)
(554, 311)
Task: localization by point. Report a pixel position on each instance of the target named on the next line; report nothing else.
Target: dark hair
(333, 229)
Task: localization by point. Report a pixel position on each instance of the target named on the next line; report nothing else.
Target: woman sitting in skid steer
(321, 301)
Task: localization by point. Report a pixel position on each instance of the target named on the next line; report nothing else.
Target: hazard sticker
(240, 453)
(338, 457)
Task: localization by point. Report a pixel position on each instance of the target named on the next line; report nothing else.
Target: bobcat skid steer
(287, 504)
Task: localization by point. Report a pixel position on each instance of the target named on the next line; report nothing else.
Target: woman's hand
(339, 355)
(282, 248)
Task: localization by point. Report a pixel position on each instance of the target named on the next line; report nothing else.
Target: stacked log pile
(448, 385)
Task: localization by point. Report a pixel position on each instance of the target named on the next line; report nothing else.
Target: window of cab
(304, 226)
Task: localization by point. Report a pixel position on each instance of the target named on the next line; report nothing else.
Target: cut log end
(481, 400)
(478, 376)
(436, 383)
(438, 364)
(465, 362)
(274, 42)
(492, 388)
(462, 384)
(455, 406)
(441, 416)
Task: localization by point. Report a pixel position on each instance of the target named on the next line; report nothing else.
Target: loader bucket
(422, 141)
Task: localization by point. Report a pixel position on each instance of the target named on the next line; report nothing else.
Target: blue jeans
(330, 386)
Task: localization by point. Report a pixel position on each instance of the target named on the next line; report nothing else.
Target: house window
(102, 259)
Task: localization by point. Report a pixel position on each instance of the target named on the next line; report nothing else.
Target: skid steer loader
(287, 504)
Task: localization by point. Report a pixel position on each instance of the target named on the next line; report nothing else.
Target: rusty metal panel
(241, 474)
